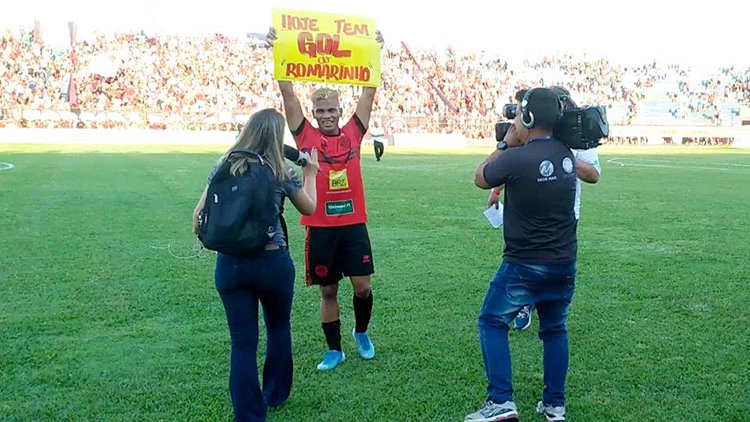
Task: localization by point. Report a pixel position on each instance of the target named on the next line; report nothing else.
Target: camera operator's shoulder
(519, 157)
(529, 150)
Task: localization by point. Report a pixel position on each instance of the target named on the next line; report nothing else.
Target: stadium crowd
(215, 82)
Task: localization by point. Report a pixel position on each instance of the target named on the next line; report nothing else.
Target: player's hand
(493, 200)
(271, 36)
(312, 168)
(379, 38)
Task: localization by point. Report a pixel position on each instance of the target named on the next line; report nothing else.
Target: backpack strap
(250, 153)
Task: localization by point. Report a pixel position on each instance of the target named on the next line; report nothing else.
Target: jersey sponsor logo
(340, 207)
(338, 180)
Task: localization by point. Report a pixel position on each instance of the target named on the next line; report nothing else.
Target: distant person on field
(378, 139)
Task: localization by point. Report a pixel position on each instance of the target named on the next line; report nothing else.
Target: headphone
(527, 117)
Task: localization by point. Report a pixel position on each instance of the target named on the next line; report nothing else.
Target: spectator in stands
(137, 80)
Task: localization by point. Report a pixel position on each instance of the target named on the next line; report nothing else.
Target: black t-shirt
(540, 189)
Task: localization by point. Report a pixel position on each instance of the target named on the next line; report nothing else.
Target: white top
(592, 157)
(377, 132)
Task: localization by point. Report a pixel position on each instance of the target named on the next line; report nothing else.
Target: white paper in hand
(495, 215)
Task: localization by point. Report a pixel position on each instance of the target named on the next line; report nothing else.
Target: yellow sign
(324, 47)
(337, 180)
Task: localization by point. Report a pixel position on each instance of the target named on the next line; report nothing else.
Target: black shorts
(332, 253)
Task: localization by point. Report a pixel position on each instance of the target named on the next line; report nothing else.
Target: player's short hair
(325, 94)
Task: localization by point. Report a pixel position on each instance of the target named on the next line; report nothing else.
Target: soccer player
(337, 243)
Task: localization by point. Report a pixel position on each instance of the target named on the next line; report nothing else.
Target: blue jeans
(551, 289)
(242, 283)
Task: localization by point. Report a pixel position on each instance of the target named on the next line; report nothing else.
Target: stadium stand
(214, 82)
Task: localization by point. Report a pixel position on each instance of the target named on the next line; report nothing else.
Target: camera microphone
(299, 158)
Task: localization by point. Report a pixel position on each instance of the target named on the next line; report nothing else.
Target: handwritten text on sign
(320, 47)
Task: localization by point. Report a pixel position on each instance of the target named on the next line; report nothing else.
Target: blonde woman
(266, 277)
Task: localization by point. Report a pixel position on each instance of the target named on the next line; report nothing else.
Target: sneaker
(523, 319)
(551, 413)
(366, 348)
(331, 359)
(493, 412)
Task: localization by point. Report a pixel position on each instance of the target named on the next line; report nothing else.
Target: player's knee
(329, 293)
(363, 292)
(362, 288)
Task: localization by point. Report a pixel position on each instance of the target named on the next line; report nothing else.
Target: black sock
(332, 331)
(362, 312)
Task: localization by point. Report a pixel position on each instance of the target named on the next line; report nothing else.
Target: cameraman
(588, 170)
(539, 259)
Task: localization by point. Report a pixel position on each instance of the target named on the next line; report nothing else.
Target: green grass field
(98, 321)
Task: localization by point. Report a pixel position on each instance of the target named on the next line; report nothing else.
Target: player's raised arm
(292, 106)
(364, 107)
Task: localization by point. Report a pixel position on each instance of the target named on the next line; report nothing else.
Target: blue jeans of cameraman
(243, 283)
(551, 289)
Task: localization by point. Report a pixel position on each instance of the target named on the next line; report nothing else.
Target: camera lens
(509, 111)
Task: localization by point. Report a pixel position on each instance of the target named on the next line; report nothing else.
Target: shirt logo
(339, 207)
(546, 168)
(567, 165)
(338, 180)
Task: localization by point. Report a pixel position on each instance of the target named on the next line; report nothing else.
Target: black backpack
(239, 216)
